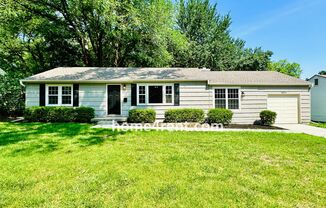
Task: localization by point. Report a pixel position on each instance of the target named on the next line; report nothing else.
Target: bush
(184, 115)
(141, 116)
(59, 114)
(219, 116)
(84, 114)
(267, 117)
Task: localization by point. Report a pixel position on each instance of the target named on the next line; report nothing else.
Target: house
(112, 92)
(318, 98)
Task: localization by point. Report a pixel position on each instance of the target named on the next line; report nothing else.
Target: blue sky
(292, 29)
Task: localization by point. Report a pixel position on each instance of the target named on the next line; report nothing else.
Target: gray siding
(32, 95)
(192, 95)
(254, 101)
(93, 95)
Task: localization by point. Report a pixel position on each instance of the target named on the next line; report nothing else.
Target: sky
(293, 29)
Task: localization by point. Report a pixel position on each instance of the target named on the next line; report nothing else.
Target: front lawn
(320, 125)
(72, 165)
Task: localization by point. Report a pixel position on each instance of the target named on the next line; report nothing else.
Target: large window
(59, 95)
(155, 94)
(227, 98)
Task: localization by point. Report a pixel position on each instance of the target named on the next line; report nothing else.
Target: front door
(114, 100)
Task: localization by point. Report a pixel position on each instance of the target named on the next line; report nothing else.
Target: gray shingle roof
(99, 74)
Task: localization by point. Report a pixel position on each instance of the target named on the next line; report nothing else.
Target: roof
(130, 74)
(318, 75)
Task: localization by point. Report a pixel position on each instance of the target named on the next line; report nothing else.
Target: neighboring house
(318, 98)
(112, 92)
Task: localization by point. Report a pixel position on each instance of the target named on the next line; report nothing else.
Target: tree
(285, 67)
(211, 45)
(322, 72)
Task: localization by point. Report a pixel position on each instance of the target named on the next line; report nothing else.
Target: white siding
(318, 99)
(32, 95)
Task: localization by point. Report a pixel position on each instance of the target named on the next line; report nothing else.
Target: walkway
(302, 128)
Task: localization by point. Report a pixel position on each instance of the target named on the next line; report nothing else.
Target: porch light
(242, 93)
(124, 87)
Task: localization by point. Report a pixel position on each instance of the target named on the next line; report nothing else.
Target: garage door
(286, 108)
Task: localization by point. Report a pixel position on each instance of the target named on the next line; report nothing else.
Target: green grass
(72, 165)
(320, 125)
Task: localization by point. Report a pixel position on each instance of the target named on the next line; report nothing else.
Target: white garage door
(286, 107)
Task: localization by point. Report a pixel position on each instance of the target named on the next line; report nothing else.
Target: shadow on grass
(49, 137)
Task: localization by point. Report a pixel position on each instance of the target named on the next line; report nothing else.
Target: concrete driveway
(302, 128)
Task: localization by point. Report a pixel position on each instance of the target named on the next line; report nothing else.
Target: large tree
(211, 44)
(286, 67)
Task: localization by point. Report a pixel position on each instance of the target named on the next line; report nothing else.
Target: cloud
(276, 16)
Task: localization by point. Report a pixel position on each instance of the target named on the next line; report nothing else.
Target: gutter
(21, 83)
(110, 81)
(308, 84)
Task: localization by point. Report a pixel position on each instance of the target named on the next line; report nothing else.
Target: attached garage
(286, 107)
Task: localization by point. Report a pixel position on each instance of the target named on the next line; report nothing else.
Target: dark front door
(114, 100)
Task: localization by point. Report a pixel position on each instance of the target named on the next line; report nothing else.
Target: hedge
(142, 116)
(267, 117)
(59, 114)
(219, 116)
(184, 115)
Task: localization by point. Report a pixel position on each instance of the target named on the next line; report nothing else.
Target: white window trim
(59, 94)
(147, 94)
(227, 97)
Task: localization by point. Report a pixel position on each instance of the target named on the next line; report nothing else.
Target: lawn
(320, 125)
(72, 165)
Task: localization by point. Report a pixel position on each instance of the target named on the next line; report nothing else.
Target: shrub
(59, 114)
(84, 114)
(267, 117)
(141, 116)
(219, 116)
(36, 114)
(184, 115)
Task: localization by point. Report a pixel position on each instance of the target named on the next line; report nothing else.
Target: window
(227, 98)
(141, 94)
(53, 95)
(168, 94)
(155, 94)
(233, 98)
(59, 95)
(316, 82)
(66, 95)
(220, 98)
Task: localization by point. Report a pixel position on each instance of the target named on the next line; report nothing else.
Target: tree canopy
(323, 72)
(37, 35)
(285, 67)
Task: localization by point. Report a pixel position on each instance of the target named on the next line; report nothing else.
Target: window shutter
(133, 95)
(42, 95)
(176, 94)
(76, 95)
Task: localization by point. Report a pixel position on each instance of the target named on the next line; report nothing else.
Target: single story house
(318, 98)
(112, 92)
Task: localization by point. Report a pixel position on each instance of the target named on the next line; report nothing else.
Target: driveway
(302, 128)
